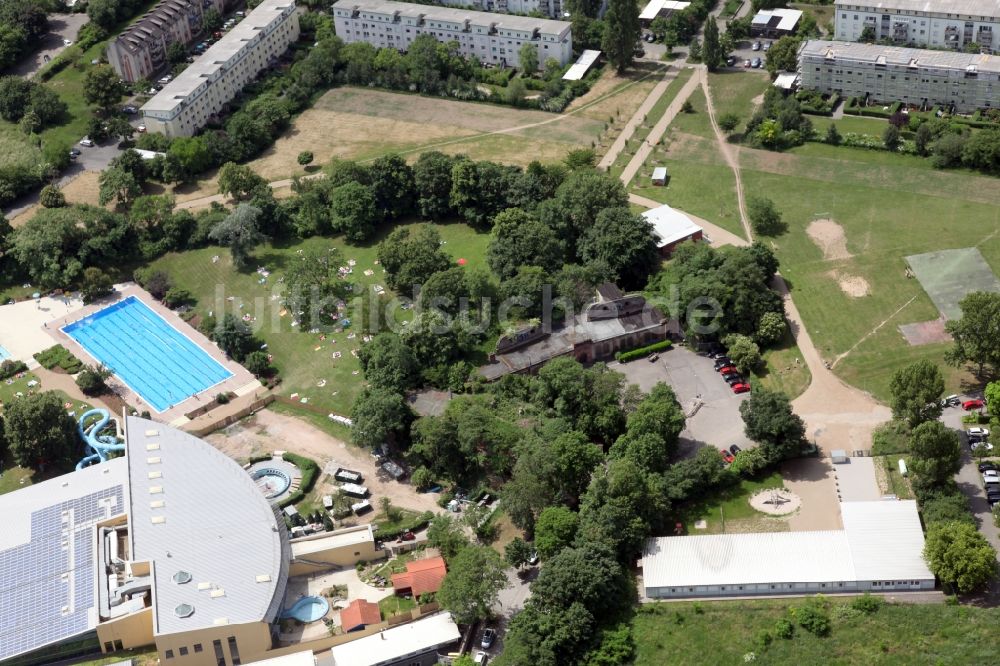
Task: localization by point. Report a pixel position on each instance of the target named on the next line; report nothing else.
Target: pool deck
(241, 382)
(21, 322)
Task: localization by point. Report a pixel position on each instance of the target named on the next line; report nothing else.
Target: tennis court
(948, 275)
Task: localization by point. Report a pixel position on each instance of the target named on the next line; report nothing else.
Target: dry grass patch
(83, 189)
(829, 237)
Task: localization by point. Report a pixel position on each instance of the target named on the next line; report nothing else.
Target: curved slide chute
(101, 445)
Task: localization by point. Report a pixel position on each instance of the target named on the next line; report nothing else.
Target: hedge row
(310, 471)
(640, 352)
(256, 459)
(11, 367)
(418, 523)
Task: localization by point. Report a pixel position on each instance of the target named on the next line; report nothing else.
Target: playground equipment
(101, 445)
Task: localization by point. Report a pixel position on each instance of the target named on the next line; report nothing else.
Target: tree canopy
(916, 392)
(39, 432)
(473, 583)
(958, 554)
(240, 231)
(975, 332)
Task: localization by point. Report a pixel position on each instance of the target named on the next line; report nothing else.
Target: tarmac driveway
(711, 408)
(61, 26)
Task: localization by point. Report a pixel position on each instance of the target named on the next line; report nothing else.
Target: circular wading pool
(272, 482)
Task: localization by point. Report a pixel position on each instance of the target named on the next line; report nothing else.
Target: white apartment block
(189, 101)
(141, 49)
(935, 23)
(886, 74)
(493, 38)
(551, 8)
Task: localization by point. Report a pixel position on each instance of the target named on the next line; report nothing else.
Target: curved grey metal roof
(195, 510)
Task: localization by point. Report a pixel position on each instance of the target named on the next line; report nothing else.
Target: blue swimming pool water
(158, 362)
(4, 354)
(308, 609)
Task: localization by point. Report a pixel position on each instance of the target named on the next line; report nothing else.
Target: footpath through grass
(715, 633)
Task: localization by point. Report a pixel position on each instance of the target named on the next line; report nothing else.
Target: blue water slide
(101, 445)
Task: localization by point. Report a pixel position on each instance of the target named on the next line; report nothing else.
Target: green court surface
(948, 275)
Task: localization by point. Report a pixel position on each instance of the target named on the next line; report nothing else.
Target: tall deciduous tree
(409, 259)
(39, 432)
(103, 87)
(621, 33)
(388, 363)
(473, 583)
(521, 240)
(916, 393)
(234, 337)
(769, 420)
(935, 454)
(976, 332)
(379, 416)
(624, 241)
(957, 553)
(240, 181)
(313, 287)
(527, 57)
(446, 534)
(712, 53)
(354, 211)
(555, 530)
(240, 231)
(432, 179)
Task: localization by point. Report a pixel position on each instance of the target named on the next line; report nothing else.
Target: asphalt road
(61, 26)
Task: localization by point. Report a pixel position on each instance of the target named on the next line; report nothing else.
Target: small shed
(839, 456)
(660, 176)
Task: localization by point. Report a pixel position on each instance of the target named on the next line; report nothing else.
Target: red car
(975, 403)
(741, 388)
(727, 370)
(726, 455)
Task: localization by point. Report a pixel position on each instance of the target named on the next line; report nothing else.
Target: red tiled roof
(358, 614)
(421, 576)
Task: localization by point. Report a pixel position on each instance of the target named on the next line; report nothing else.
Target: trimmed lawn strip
(730, 505)
(692, 633)
(784, 369)
(705, 190)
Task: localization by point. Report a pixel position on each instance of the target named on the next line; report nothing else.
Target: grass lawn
(784, 369)
(394, 605)
(822, 13)
(852, 124)
(730, 510)
(139, 657)
(735, 92)
(898, 485)
(723, 632)
(302, 358)
(405, 517)
(395, 565)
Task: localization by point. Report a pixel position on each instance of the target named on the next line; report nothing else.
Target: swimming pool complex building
(171, 545)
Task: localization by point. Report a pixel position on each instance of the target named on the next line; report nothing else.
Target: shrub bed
(310, 471)
(641, 352)
(418, 523)
(11, 367)
(59, 356)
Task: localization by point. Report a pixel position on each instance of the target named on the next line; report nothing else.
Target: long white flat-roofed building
(495, 39)
(937, 23)
(413, 643)
(886, 74)
(550, 8)
(187, 103)
(880, 549)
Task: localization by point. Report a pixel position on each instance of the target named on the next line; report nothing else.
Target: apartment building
(141, 50)
(493, 38)
(939, 24)
(551, 8)
(189, 101)
(920, 77)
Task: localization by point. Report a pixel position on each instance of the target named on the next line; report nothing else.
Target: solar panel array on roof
(47, 584)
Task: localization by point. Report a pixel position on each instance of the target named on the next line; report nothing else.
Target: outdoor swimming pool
(4, 354)
(158, 362)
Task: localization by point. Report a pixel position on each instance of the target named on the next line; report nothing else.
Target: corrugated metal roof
(670, 225)
(881, 540)
(735, 559)
(219, 527)
(886, 539)
(434, 631)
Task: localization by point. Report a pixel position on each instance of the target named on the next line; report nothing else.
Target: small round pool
(308, 609)
(272, 482)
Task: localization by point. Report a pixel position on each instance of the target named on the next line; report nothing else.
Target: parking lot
(711, 408)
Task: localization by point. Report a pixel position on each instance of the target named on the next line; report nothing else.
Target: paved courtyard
(711, 408)
(23, 324)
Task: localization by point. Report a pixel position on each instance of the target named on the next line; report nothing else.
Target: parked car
(533, 558)
(741, 388)
(756, 64)
(74, 152)
(767, 46)
(991, 476)
(985, 465)
(67, 42)
(733, 378)
(85, 141)
(727, 369)
(653, 358)
(141, 129)
(746, 64)
(730, 61)
(976, 431)
(649, 37)
(722, 362)
(489, 636)
(986, 446)
(726, 455)
(734, 449)
(756, 46)
(480, 658)
(130, 110)
(951, 401)
(975, 403)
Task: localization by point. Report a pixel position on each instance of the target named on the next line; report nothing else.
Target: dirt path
(637, 119)
(267, 431)
(660, 127)
(729, 153)
(206, 201)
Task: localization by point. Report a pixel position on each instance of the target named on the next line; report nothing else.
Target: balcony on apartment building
(900, 32)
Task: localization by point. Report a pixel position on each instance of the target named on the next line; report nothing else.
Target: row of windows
(792, 586)
(220, 657)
